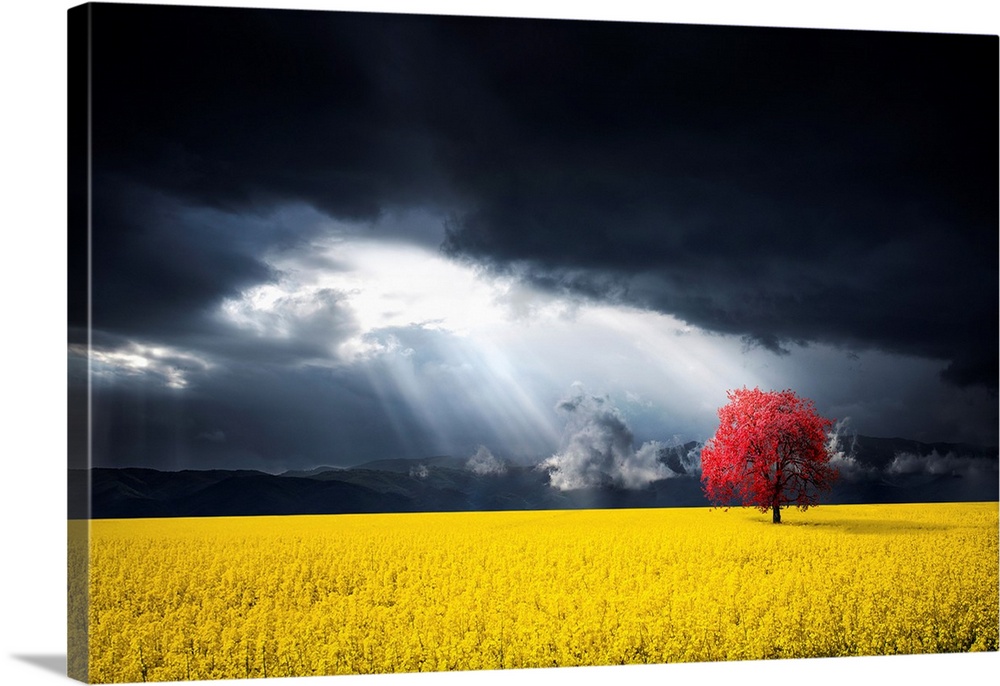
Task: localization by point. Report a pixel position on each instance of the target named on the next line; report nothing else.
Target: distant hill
(405, 466)
(879, 470)
(310, 472)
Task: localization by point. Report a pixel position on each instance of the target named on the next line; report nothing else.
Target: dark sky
(323, 238)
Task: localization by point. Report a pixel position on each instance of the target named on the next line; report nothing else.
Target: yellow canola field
(214, 598)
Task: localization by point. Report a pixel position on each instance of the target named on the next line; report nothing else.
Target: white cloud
(420, 471)
(483, 463)
(841, 446)
(598, 448)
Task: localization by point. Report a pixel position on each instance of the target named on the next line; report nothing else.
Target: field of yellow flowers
(175, 599)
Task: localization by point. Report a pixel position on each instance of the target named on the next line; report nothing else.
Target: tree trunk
(776, 514)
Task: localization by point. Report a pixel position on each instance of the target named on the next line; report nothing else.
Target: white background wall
(32, 332)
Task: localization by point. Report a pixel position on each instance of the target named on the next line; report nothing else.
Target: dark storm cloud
(780, 185)
(787, 186)
(259, 107)
(156, 270)
(162, 267)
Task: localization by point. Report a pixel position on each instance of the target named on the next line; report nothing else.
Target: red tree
(769, 451)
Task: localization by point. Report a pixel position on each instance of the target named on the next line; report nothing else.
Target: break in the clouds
(335, 237)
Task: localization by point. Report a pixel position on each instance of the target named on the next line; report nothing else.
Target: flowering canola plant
(232, 597)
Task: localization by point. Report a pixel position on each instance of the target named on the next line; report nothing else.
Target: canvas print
(404, 343)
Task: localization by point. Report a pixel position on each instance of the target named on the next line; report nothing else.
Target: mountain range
(875, 470)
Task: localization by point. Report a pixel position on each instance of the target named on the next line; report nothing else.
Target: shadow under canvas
(50, 663)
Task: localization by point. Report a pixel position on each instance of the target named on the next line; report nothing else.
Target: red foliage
(769, 451)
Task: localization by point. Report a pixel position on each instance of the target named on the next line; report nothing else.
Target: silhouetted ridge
(883, 470)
